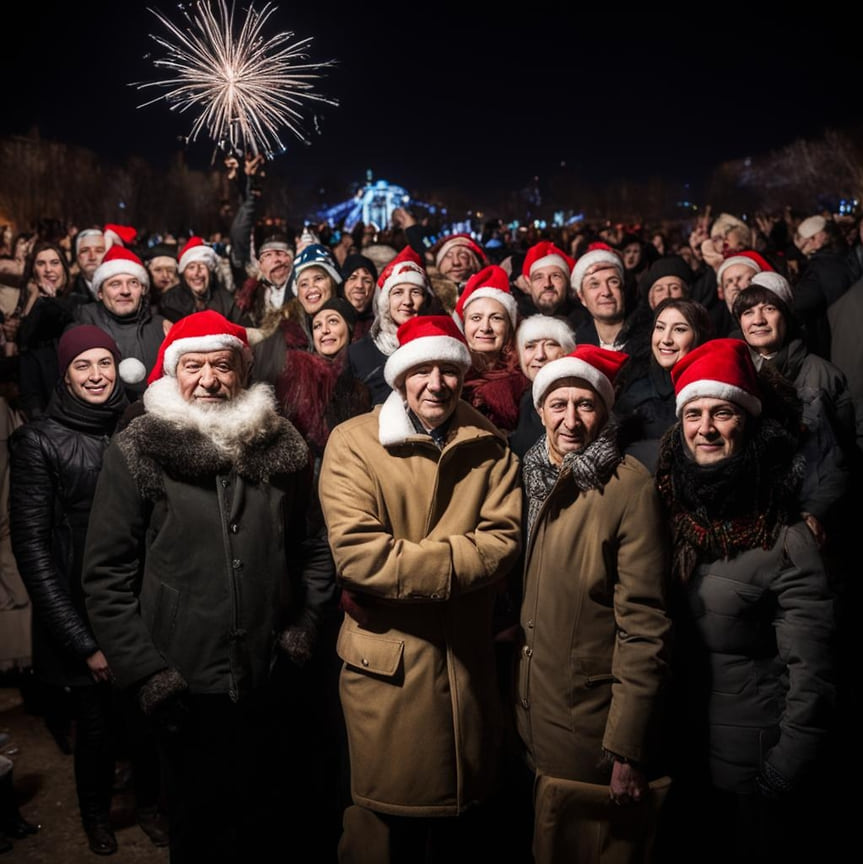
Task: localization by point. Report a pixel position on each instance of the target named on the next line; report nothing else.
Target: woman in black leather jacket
(55, 462)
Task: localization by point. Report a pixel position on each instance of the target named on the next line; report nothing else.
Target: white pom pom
(132, 370)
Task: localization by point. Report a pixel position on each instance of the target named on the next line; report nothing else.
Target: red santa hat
(719, 369)
(122, 235)
(196, 250)
(596, 254)
(776, 283)
(426, 339)
(119, 260)
(199, 332)
(545, 327)
(598, 366)
(407, 267)
(459, 240)
(493, 283)
(545, 254)
(749, 257)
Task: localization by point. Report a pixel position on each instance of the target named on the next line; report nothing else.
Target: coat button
(525, 703)
(236, 563)
(435, 596)
(527, 651)
(530, 623)
(365, 662)
(234, 527)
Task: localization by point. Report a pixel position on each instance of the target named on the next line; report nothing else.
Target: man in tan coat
(593, 619)
(423, 507)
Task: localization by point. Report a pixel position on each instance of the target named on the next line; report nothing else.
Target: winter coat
(179, 301)
(529, 428)
(198, 557)
(846, 347)
(595, 629)
(55, 463)
(422, 539)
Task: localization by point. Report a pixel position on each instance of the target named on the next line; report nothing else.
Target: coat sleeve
(370, 559)
(32, 513)
(804, 636)
(639, 662)
(113, 562)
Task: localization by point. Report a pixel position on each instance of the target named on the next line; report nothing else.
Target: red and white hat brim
(571, 367)
(425, 349)
(201, 344)
(198, 253)
(404, 274)
(506, 300)
(552, 260)
(710, 389)
(117, 267)
(590, 259)
(545, 327)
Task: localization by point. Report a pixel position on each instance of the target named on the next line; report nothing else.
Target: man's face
(548, 286)
(314, 288)
(458, 263)
(359, 287)
(602, 293)
(163, 272)
(712, 429)
(275, 265)
(91, 375)
(211, 378)
(432, 391)
(734, 279)
(573, 414)
(763, 327)
(536, 353)
(197, 276)
(91, 251)
(122, 294)
(664, 287)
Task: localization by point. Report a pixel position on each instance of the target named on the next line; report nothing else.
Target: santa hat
(545, 327)
(776, 283)
(85, 233)
(119, 260)
(196, 250)
(596, 253)
(719, 369)
(493, 283)
(459, 240)
(314, 255)
(199, 332)
(426, 339)
(749, 257)
(121, 235)
(598, 366)
(407, 267)
(546, 254)
(811, 226)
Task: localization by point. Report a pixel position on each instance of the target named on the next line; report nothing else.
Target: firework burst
(245, 88)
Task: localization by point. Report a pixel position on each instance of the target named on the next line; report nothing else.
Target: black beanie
(354, 262)
(340, 305)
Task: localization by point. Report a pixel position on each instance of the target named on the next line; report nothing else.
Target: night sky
(443, 94)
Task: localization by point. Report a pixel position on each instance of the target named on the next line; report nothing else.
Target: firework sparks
(246, 88)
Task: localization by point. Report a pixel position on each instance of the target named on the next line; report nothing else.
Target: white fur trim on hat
(776, 283)
(708, 388)
(552, 260)
(407, 273)
(545, 327)
(571, 367)
(200, 344)
(505, 300)
(116, 267)
(452, 243)
(426, 349)
(588, 260)
(198, 253)
(811, 226)
(737, 259)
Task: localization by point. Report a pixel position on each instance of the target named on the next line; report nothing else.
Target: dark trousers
(93, 713)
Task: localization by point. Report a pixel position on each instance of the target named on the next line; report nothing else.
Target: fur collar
(246, 436)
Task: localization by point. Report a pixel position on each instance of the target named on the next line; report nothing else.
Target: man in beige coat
(423, 506)
(593, 618)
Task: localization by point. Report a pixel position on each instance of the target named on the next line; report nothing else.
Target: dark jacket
(366, 362)
(179, 301)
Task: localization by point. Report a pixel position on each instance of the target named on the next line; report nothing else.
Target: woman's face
(48, 272)
(330, 332)
(91, 375)
(672, 337)
(314, 288)
(405, 301)
(486, 326)
(764, 328)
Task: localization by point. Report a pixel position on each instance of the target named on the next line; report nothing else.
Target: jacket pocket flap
(369, 652)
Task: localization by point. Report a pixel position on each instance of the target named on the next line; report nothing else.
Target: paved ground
(46, 795)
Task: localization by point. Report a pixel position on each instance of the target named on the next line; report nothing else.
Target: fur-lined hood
(187, 442)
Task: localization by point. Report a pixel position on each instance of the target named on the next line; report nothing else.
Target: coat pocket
(367, 652)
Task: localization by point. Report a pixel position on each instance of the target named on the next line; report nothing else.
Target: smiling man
(423, 506)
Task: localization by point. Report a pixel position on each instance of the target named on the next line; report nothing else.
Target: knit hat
(776, 283)
(160, 250)
(355, 262)
(200, 331)
(119, 260)
(811, 226)
(121, 235)
(545, 327)
(276, 241)
(314, 255)
(493, 283)
(426, 339)
(197, 250)
(749, 257)
(82, 338)
(544, 254)
(596, 253)
(408, 267)
(343, 308)
(598, 366)
(668, 265)
(87, 232)
(454, 240)
(720, 369)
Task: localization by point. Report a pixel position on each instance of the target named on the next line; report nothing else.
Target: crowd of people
(437, 548)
